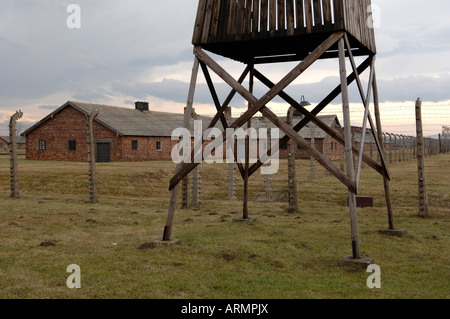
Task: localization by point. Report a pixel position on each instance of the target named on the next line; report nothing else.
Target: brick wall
(146, 148)
(69, 124)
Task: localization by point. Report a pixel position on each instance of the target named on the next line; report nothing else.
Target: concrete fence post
(93, 192)
(14, 168)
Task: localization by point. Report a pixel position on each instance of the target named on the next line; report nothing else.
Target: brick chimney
(141, 106)
(228, 110)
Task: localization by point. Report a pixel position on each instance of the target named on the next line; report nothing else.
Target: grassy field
(279, 255)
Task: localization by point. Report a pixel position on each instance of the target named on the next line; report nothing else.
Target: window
(299, 147)
(42, 146)
(284, 147)
(158, 145)
(72, 145)
(134, 145)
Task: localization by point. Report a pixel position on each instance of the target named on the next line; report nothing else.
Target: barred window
(42, 145)
(134, 145)
(158, 145)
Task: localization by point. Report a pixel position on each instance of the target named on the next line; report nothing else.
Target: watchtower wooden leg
(348, 150)
(186, 123)
(247, 150)
(387, 188)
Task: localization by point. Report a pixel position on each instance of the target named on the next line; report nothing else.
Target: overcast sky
(141, 50)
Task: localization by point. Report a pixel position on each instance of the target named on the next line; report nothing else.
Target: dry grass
(280, 255)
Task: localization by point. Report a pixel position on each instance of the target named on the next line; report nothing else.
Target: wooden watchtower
(257, 32)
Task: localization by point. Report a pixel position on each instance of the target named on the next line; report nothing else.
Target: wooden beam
(387, 188)
(219, 108)
(364, 125)
(256, 104)
(318, 156)
(348, 150)
(186, 123)
(219, 115)
(363, 98)
(311, 117)
(327, 100)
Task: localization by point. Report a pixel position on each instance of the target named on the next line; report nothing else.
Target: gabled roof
(19, 139)
(127, 121)
(305, 132)
(132, 122)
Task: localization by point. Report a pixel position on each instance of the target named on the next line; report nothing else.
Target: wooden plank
(348, 149)
(186, 123)
(272, 17)
(308, 16)
(219, 108)
(214, 30)
(387, 188)
(256, 104)
(207, 21)
(327, 100)
(281, 22)
(247, 19)
(318, 156)
(364, 125)
(255, 18)
(223, 21)
(299, 12)
(239, 20)
(199, 22)
(229, 36)
(363, 98)
(313, 118)
(264, 16)
(317, 16)
(338, 6)
(290, 17)
(327, 15)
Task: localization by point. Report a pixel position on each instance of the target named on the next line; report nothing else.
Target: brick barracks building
(126, 134)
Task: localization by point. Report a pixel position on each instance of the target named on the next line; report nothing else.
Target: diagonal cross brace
(310, 116)
(259, 105)
(330, 97)
(363, 98)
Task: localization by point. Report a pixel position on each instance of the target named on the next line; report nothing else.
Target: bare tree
(446, 132)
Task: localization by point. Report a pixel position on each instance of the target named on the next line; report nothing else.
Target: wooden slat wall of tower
(220, 21)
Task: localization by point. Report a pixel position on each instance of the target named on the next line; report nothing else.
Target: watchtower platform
(281, 30)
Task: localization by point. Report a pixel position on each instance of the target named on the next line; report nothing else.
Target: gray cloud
(120, 41)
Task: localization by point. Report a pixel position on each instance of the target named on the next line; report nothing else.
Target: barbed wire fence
(399, 139)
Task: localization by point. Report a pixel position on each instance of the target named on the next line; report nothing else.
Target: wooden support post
(292, 176)
(387, 188)
(423, 196)
(14, 168)
(349, 151)
(186, 123)
(93, 192)
(247, 148)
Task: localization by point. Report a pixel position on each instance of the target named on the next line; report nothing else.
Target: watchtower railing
(239, 20)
